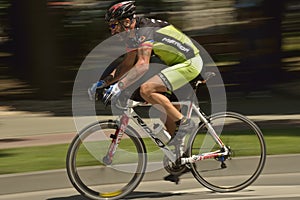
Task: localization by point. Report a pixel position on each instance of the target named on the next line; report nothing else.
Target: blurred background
(255, 44)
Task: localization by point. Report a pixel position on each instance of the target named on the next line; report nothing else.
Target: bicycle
(231, 158)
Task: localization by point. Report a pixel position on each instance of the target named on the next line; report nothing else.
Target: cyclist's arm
(140, 67)
(123, 68)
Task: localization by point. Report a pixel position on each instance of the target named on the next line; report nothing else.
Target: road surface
(280, 180)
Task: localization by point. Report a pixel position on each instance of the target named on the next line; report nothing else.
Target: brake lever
(207, 76)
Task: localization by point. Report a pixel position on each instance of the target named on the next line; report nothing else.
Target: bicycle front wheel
(245, 162)
(90, 172)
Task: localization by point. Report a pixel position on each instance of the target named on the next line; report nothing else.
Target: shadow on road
(134, 195)
(77, 197)
(158, 195)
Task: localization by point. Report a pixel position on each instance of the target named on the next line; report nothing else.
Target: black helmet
(122, 10)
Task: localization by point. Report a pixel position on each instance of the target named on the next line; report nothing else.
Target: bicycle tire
(85, 162)
(248, 153)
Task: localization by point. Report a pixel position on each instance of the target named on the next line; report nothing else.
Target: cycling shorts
(176, 76)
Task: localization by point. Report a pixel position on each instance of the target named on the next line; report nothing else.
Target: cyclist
(146, 37)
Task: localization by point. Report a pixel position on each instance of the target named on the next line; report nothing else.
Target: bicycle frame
(129, 113)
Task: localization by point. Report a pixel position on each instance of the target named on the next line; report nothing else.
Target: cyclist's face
(115, 27)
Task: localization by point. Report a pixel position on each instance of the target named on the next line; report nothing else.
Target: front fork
(116, 139)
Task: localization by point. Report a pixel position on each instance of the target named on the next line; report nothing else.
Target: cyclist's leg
(170, 78)
(151, 91)
(167, 120)
(176, 77)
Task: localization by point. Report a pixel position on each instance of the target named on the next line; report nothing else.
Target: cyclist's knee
(153, 86)
(146, 90)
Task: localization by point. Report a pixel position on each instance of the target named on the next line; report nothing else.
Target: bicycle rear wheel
(86, 166)
(247, 159)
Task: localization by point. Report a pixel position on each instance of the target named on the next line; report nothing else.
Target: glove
(111, 94)
(92, 90)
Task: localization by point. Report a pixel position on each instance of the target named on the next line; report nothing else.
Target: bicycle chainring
(174, 168)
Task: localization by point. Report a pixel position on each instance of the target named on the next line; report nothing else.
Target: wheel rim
(246, 162)
(91, 176)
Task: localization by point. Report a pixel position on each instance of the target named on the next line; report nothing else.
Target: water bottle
(161, 133)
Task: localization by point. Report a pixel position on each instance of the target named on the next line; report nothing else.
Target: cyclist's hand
(111, 94)
(93, 89)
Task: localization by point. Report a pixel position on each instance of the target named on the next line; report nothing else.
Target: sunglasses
(113, 26)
